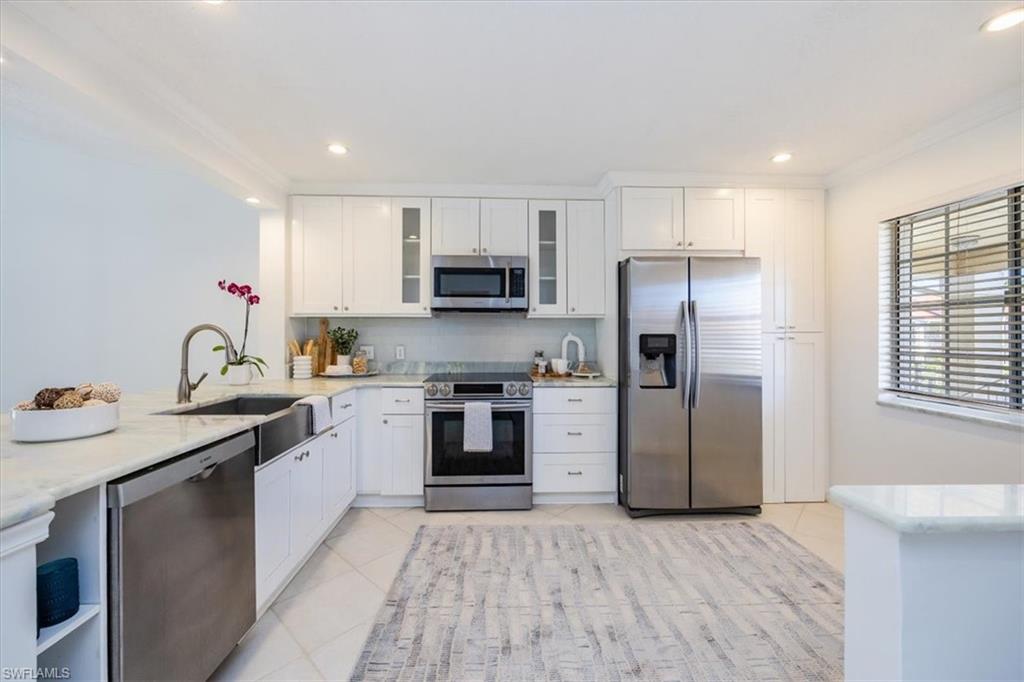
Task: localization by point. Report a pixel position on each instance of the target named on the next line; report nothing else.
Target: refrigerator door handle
(696, 354)
(688, 369)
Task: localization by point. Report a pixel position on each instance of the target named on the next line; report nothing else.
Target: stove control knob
(431, 390)
(510, 390)
(446, 390)
(524, 389)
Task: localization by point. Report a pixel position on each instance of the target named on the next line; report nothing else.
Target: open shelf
(53, 634)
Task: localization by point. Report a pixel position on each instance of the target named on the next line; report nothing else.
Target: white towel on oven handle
(477, 434)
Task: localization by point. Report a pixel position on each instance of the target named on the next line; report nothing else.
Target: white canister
(239, 375)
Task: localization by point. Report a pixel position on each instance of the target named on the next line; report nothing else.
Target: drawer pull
(575, 400)
(334, 435)
(346, 406)
(401, 400)
(575, 473)
(574, 433)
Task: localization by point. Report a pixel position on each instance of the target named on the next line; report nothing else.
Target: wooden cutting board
(323, 346)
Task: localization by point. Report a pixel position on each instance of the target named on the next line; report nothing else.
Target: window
(951, 297)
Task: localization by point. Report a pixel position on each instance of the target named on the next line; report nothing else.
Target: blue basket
(56, 591)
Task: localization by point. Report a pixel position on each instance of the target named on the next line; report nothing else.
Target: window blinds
(951, 296)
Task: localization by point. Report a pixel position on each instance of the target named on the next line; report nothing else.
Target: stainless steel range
(457, 479)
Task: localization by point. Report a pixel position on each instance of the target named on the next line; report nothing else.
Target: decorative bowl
(34, 426)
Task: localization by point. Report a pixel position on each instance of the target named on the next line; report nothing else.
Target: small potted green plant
(239, 373)
(343, 340)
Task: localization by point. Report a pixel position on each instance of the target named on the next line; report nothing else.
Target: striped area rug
(702, 600)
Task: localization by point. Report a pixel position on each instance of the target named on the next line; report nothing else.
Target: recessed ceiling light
(782, 157)
(252, 200)
(1004, 21)
(338, 149)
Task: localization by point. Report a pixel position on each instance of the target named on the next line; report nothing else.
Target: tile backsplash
(497, 338)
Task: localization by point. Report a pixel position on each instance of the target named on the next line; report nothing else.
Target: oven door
(510, 460)
(478, 283)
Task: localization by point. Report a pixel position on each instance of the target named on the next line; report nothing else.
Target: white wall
(874, 444)
(108, 254)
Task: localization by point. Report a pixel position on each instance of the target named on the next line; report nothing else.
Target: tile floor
(316, 628)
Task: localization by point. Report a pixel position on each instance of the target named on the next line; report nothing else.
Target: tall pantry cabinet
(786, 229)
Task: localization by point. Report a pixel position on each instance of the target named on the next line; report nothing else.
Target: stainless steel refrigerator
(689, 385)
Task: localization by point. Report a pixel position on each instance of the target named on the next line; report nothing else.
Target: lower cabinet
(299, 497)
(794, 421)
(402, 470)
(574, 440)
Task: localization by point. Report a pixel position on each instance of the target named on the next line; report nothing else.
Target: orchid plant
(244, 292)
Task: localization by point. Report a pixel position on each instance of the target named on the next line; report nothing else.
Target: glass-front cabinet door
(410, 229)
(547, 258)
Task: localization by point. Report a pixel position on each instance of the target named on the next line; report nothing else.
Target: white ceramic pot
(239, 375)
(344, 360)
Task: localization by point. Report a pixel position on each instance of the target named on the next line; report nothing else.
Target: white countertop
(34, 475)
(575, 382)
(936, 508)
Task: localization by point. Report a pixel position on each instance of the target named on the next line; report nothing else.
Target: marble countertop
(34, 475)
(936, 508)
(576, 382)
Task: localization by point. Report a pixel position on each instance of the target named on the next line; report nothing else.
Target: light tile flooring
(316, 628)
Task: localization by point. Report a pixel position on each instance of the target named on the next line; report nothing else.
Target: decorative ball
(107, 392)
(45, 399)
(69, 400)
(93, 402)
(26, 405)
(84, 390)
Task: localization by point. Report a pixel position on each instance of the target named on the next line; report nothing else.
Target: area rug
(701, 600)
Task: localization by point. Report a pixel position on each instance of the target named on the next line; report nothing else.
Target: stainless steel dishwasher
(182, 563)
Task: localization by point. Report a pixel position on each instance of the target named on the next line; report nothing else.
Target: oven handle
(461, 406)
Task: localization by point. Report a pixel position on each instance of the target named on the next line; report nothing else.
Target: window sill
(1009, 421)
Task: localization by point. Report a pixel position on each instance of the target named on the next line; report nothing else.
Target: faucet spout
(186, 385)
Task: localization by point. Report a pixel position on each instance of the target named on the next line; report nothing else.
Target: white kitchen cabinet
(652, 219)
(308, 490)
(805, 260)
(786, 230)
(585, 258)
(275, 544)
(547, 259)
(316, 237)
(574, 440)
(368, 245)
(402, 454)
(339, 454)
(713, 219)
(503, 227)
(455, 227)
(794, 420)
(410, 260)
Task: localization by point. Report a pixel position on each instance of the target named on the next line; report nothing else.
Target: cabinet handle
(574, 433)
(779, 326)
(335, 307)
(346, 406)
(575, 473)
(781, 338)
(474, 250)
(679, 243)
(346, 307)
(385, 421)
(791, 326)
(334, 435)
(575, 400)
(572, 310)
(484, 250)
(689, 243)
(401, 400)
(791, 338)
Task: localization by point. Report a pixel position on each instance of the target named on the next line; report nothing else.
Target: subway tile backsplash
(482, 341)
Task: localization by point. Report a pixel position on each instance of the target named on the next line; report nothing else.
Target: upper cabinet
(713, 219)
(503, 227)
(410, 260)
(368, 242)
(652, 218)
(786, 229)
(547, 269)
(677, 219)
(316, 254)
(455, 227)
(585, 262)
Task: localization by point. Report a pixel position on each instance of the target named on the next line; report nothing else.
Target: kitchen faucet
(185, 386)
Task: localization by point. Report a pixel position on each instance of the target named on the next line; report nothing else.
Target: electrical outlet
(368, 350)
(399, 352)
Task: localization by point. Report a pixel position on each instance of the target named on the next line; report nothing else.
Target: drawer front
(401, 401)
(574, 401)
(574, 433)
(577, 473)
(343, 407)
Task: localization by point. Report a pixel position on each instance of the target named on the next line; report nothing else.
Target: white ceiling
(553, 92)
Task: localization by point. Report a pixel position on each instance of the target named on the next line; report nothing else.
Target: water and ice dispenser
(657, 361)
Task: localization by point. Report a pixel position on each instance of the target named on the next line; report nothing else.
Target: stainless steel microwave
(484, 283)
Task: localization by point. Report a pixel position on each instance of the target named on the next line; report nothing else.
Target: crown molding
(997, 106)
(615, 179)
(446, 190)
(51, 37)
